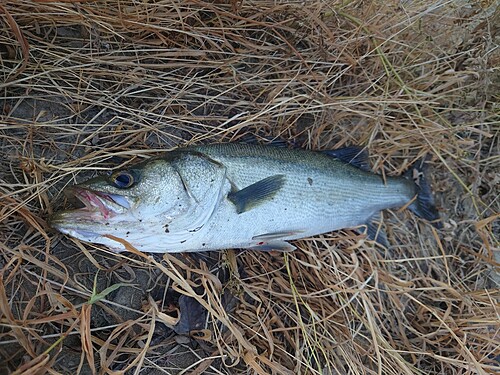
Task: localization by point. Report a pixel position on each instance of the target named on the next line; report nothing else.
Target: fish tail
(423, 206)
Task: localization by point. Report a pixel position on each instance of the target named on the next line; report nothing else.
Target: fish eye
(122, 179)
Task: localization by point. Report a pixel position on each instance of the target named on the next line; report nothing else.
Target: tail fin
(423, 206)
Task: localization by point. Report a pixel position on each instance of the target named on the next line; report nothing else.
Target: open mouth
(93, 209)
(105, 204)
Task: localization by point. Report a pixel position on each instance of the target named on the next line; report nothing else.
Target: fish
(233, 195)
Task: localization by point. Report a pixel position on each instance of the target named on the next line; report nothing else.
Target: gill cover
(203, 180)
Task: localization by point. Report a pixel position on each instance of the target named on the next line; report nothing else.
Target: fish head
(125, 205)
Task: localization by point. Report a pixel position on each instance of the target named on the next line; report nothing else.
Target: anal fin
(375, 231)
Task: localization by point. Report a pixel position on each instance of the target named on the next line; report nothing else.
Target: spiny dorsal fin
(355, 156)
(257, 193)
(254, 139)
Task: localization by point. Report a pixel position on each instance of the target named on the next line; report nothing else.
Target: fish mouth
(105, 204)
(91, 206)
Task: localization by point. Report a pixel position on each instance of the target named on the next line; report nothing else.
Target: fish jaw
(86, 223)
(96, 204)
(91, 237)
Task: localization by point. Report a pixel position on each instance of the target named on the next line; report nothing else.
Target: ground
(90, 86)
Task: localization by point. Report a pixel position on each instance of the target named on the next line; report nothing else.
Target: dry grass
(90, 85)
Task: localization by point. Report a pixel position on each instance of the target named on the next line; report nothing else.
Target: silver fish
(235, 196)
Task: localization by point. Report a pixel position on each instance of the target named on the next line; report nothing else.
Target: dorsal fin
(356, 156)
(254, 139)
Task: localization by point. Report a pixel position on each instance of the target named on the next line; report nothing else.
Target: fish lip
(105, 204)
(92, 207)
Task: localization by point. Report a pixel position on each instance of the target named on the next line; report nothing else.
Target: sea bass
(232, 195)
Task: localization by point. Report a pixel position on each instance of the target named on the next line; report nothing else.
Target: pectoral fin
(257, 193)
